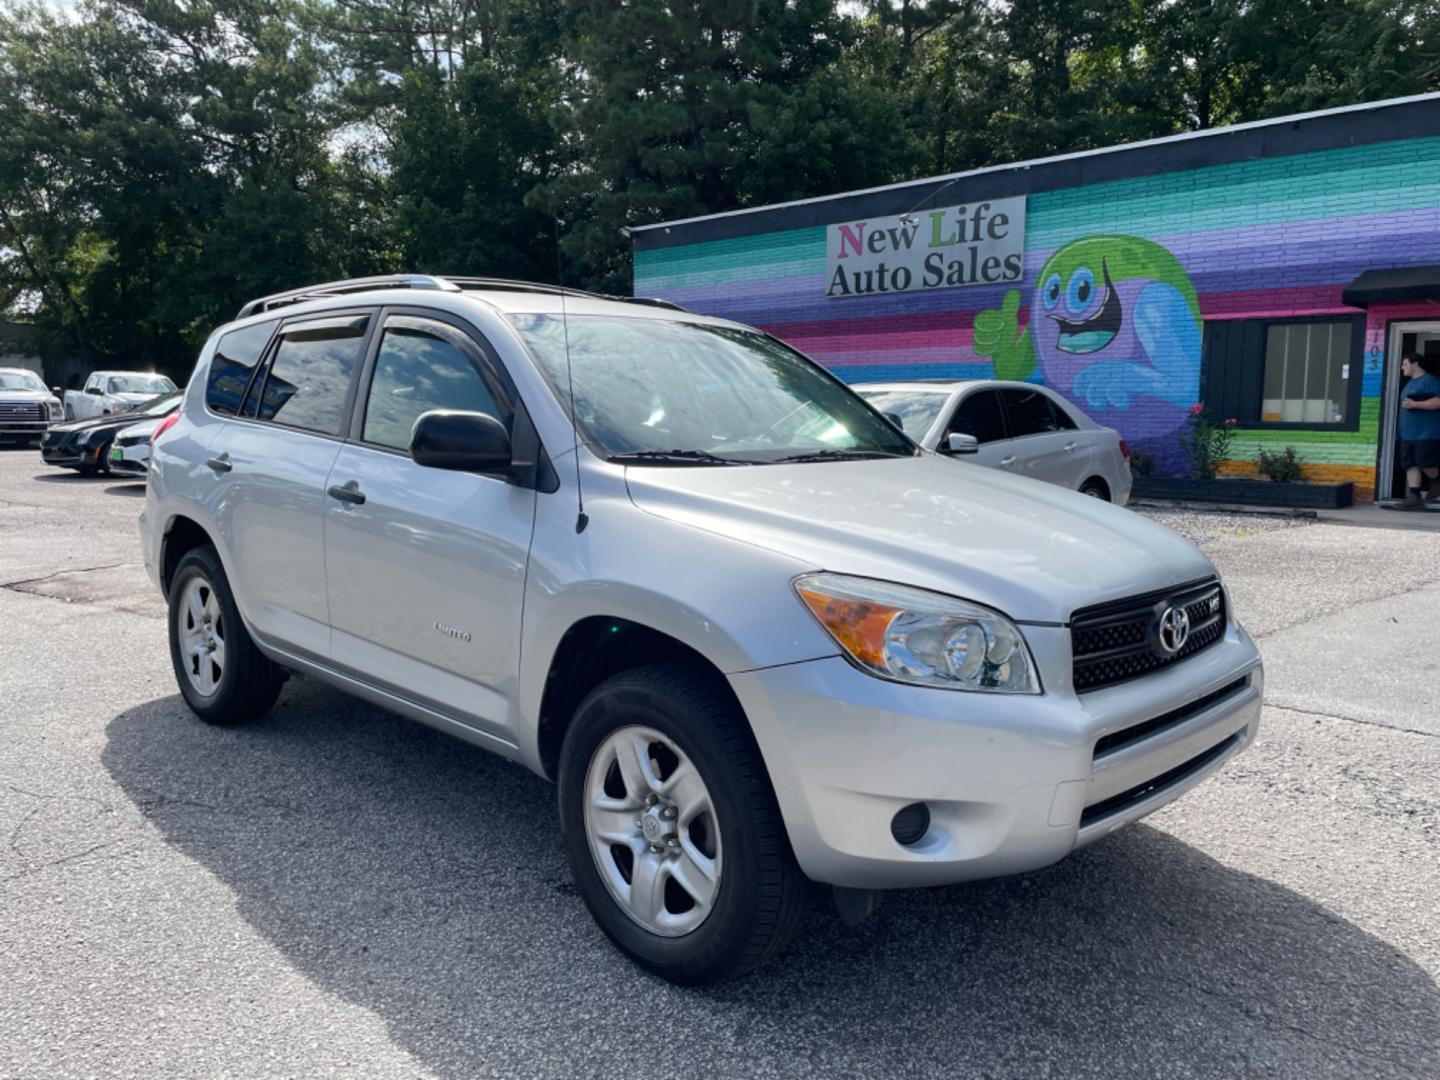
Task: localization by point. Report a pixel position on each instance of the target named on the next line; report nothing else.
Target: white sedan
(1020, 427)
(130, 452)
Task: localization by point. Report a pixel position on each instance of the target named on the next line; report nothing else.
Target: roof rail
(447, 283)
(650, 301)
(341, 288)
(511, 285)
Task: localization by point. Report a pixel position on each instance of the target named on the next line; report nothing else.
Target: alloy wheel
(652, 829)
(201, 629)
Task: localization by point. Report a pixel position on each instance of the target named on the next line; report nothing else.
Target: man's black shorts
(1420, 454)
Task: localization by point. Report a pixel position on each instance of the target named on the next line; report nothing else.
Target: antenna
(906, 219)
(581, 518)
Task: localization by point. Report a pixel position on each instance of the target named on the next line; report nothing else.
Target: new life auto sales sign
(981, 243)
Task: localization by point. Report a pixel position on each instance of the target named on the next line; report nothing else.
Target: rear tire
(1096, 489)
(223, 677)
(696, 751)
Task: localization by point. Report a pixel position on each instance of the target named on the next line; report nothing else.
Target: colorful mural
(1258, 239)
(1115, 326)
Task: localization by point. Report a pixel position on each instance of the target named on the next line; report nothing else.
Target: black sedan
(85, 444)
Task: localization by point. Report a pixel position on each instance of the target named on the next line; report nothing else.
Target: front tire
(672, 828)
(223, 677)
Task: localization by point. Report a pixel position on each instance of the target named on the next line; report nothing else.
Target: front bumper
(72, 455)
(12, 431)
(1012, 783)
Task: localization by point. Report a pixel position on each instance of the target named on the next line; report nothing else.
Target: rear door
(1043, 440)
(426, 567)
(269, 465)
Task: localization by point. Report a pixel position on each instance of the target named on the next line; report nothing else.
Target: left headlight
(913, 636)
(55, 411)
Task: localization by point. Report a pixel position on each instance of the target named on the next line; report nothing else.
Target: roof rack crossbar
(340, 288)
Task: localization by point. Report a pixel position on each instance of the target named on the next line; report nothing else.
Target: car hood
(1034, 551)
(43, 396)
(114, 422)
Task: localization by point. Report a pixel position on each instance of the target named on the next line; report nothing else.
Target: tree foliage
(163, 160)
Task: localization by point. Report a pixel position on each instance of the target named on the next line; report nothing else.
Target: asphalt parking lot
(337, 892)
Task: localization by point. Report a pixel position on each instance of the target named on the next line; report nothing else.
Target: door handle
(1006, 462)
(349, 493)
(1071, 446)
(221, 463)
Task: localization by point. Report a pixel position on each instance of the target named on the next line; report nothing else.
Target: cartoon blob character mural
(1115, 326)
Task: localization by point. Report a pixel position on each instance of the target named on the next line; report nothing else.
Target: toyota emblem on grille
(1174, 630)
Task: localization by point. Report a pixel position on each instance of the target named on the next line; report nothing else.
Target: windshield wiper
(836, 455)
(676, 457)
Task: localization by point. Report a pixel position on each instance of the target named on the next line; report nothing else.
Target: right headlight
(913, 636)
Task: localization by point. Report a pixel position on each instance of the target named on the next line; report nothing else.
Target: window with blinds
(1307, 373)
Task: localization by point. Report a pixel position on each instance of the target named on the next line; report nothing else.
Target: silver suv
(753, 633)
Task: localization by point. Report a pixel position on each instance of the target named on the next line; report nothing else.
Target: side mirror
(894, 418)
(94, 390)
(460, 442)
(58, 392)
(956, 443)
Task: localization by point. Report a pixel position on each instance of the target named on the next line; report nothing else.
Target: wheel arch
(182, 535)
(590, 651)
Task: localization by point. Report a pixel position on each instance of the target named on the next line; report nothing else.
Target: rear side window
(422, 365)
(309, 376)
(1033, 413)
(236, 357)
(979, 415)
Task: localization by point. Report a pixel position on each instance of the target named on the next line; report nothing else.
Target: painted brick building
(1274, 271)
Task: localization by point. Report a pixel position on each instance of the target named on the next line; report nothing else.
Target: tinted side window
(421, 366)
(979, 415)
(234, 362)
(309, 376)
(1031, 413)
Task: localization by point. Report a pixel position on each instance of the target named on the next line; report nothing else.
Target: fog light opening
(910, 824)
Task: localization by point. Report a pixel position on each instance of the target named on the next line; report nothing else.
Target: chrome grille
(1113, 643)
(23, 410)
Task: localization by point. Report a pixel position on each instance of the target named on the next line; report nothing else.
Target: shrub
(1283, 468)
(1205, 443)
(1141, 463)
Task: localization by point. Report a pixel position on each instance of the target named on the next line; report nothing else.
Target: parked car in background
(27, 408)
(130, 450)
(1022, 428)
(107, 392)
(751, 630)
(85, 444)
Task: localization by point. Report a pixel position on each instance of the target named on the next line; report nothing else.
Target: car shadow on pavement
(71, 476)
(134, 489)
(424, 880)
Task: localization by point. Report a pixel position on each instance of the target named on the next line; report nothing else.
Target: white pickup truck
(107, 392)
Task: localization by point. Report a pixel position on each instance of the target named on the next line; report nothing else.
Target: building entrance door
(1405, 337)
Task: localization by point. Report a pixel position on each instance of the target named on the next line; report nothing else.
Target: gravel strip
(1208, 527)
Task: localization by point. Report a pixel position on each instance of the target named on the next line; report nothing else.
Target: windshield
(657, 387)
(156, 406)
(20, 380)
(915, 409)
(138, 384)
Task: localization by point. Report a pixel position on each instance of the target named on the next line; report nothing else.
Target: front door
(426, 575)
(1405, 337)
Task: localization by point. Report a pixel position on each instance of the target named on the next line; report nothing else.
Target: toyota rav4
(752, 632)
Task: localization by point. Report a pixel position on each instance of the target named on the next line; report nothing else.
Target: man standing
(1420, 431)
